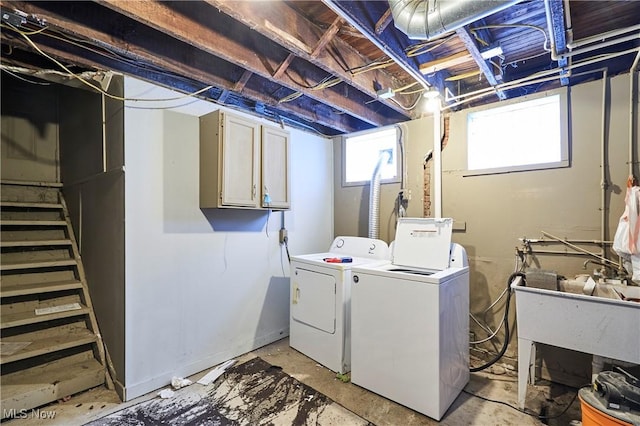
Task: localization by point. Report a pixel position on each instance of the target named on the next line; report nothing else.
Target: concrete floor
(500, 384)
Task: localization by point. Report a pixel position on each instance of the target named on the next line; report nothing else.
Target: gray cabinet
(242, 163)
(275, 157)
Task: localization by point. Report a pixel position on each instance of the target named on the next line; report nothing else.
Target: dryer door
(313, 299)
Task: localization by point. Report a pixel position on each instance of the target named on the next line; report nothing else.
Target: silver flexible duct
(374, 195)
(428, 19)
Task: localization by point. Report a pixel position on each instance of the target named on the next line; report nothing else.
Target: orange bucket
(591, 416)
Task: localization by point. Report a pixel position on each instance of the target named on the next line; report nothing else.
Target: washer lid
(423, 243)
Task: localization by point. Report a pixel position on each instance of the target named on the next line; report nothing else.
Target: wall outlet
(283, 235)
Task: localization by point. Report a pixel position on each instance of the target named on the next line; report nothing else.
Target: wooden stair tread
(37, 264)
(59, 352)
(40, 385)
(35, 243)
(33, 223)
(31, 183)
(78, 337)
(35, 288)
(31, 205)
(30, 317)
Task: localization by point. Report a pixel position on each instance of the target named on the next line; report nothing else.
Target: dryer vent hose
(374, 195)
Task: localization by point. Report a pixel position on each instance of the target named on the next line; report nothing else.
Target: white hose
(374, 195)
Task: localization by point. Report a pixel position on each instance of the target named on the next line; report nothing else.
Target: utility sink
(600, 324)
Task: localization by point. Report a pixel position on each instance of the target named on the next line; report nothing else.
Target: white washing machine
(410, 319)
(319, 325)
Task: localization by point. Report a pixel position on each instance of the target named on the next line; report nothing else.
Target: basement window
(361, 152)
(527, 135)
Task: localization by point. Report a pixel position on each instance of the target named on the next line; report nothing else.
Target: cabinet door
(276, 185)
(240, 162)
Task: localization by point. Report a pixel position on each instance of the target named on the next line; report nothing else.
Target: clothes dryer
(319, 322)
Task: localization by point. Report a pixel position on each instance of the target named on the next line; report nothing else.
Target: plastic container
(591, 416)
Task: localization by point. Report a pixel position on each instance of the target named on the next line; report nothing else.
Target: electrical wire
(425, 47)
(286, 246)
(377, 64)
(534, 27)
(495, 401)
(485, 327)
(114, 55)
(488, 330)
(525, 411)
(568, 405)
(32, 32)
(404, 107)
(25, 35)
(326, 83)
(507, 334)
(266, 227)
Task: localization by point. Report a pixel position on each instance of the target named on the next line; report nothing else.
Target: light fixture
(491, 52)
(432, 93)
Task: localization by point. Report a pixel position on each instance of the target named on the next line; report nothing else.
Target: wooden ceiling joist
(240, 84)
(284, 65)
(195, 64)
(472, 47)
(384, 22)
(444, 63)
(268, 21)
(164, 18)
(327, 37)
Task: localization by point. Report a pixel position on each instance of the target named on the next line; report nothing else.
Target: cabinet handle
(254, 190)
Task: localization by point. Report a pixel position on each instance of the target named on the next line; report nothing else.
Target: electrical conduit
(604, 163)
(633, 111)
(437, 162)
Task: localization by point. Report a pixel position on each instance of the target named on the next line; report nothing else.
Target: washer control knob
(356, 278)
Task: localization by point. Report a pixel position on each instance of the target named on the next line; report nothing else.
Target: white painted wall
(204, 286)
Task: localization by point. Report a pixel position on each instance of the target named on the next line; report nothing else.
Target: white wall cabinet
(275, 155)
(243, 164)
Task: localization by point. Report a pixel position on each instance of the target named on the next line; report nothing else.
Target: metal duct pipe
(374, 195)
(429, 19)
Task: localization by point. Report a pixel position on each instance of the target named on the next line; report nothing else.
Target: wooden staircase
(50, 343)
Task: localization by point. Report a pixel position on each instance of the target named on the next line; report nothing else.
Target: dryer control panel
(360, 247)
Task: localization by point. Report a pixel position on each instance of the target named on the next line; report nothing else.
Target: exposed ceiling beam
(238, 87)
(444, 63)
(166, 18)
(327, 37)
(390, 47)
(193, 64)
(468, 40)
(274, 19)
(283, 66)
(384, 22)
(463, 75)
